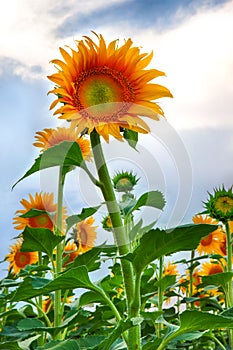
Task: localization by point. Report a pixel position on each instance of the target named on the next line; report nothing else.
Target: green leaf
(60, 345)
(64, 154)
(190, 336)
(90, 341)
(218, 279)
(28, 324)
(90, 259)
(32, 213)
(9, 345)
(40, 239)
(90, 298)
(153, 199)
(25, 344)
(71, 279)
(85, 213)
(131, 137)
(121, 328)
(165, 282)
(192, 320)
(157, 243)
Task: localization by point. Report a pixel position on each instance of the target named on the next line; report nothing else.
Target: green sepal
(131, 137)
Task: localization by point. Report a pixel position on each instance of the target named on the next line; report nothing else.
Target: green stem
(160, 295)
(221, 346)
(58, 268)
(229, 269)
(120, 238)
(40, 303)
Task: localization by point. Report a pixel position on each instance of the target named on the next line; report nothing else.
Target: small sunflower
(210, 268)
(18, 260)
(51, 137)
(107, 223)
(124, 181)
(70, 253)
(220, 205)
(84, 234)
(170, 269)
(209, 244)
(106, 87)
(43, 202)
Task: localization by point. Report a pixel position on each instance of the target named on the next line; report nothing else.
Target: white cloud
(29, 29)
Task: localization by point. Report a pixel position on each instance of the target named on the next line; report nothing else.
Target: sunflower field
(55, 294)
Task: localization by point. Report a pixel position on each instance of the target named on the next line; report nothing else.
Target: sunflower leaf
(153, 199)
(39, 239)
(85, 213)
(157, 243)
(65, 154)
(131, 137)
(74, 278)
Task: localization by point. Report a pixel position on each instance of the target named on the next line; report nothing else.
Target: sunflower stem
(58, 267)
(229, 269)
(160, 295)
(121, 240)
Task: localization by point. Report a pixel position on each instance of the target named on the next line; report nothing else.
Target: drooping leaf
(39, 239)
(157, 243)
(90, 298)
(9, 345)
(154, 199)
(65, 154)
(85, 213)
(131, 137)
(74, 278)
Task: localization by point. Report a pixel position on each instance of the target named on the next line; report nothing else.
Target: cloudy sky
(184, 157)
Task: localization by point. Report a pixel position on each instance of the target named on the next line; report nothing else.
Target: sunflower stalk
(229, 269)
(120, 237)
(58, 268)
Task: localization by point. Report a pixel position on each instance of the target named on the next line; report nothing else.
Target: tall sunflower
(210, 244)
(85, 234)
(18, 260)
(170, 269)
(51, 137)
(43, 202)
(106, 87)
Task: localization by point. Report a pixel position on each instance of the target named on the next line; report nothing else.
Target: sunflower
(18, 260)
(70, 253)
(170, 269)
(209, 244)
(51, 137)
(106, 87)
(210, 268)
(84, 234)
(43, 202)
(220, 204)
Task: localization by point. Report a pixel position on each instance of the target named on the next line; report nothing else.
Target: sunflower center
(41, 221)
(224, 204)
(215, 269)
(83, 237)
(207, 240)
(22, 259)
(103, 86)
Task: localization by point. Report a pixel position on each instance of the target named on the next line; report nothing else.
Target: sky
(186, 155)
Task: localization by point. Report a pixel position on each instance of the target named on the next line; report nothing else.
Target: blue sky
(192, 43)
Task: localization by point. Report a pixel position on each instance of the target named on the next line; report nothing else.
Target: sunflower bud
(124, 181)
(220, 205)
